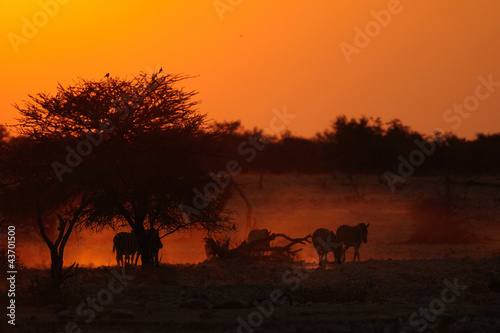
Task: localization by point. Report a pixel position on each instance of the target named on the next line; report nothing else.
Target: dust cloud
(297, 205)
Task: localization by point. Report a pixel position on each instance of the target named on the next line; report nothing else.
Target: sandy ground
(231, 296)
(400, 286)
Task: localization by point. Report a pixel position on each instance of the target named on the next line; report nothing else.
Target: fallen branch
(245, 249)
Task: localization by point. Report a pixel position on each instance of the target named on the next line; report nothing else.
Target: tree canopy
(136, 149)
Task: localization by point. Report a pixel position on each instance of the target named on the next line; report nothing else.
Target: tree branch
(40, 225)
(61, 228)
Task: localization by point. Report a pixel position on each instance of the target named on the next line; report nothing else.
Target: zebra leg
(157, 259)
(344, 250)
(356, 254)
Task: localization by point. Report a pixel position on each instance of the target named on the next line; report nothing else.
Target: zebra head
(154, 239)
(325, 241)
(364, 231)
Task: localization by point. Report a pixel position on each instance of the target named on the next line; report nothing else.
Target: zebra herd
(126, 246)
(325, 241)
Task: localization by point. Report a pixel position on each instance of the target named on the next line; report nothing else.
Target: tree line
(138, 152)
(370, 146)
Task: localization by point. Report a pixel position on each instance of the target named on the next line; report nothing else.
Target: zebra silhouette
(352, 236)
(125, 244)
(325, 241)
(155, 244)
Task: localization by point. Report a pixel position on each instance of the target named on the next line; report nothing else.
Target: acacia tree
(139, 150)
(31, 201)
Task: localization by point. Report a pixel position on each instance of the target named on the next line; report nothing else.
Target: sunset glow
(250, 165)
(260, 55)
(254, 57)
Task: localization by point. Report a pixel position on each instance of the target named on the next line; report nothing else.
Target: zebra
(325, 241)
(155, 244)
(125, 244)
(353, 236)
(257, 234)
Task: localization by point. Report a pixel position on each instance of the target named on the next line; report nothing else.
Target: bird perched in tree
(161, 70)
(107, 75)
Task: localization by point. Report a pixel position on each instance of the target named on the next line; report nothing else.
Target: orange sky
(267, 54)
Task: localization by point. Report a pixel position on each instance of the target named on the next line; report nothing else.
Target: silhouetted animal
(325, 241)
(257, 234)
(125, 244)
(107, 75)
(352, 236)
(155, 244)
(161, 70)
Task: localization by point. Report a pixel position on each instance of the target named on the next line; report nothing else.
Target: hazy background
(296, 205)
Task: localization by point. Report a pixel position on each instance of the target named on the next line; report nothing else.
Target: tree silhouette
(353, 147)
(137, 149)
(33, 201)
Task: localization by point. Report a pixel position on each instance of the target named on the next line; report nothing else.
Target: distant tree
(353, 147)
(4, 134)
(137, 150)
(300, 154)
(487, 148)
(398, 140)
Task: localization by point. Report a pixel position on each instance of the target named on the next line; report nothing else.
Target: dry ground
(416, 242)
(371, 296)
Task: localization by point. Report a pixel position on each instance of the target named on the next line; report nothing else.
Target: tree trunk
(56, 267)
(143, 241)
(354, 183)
(249, 208)
(57, 273)
(146, 255)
